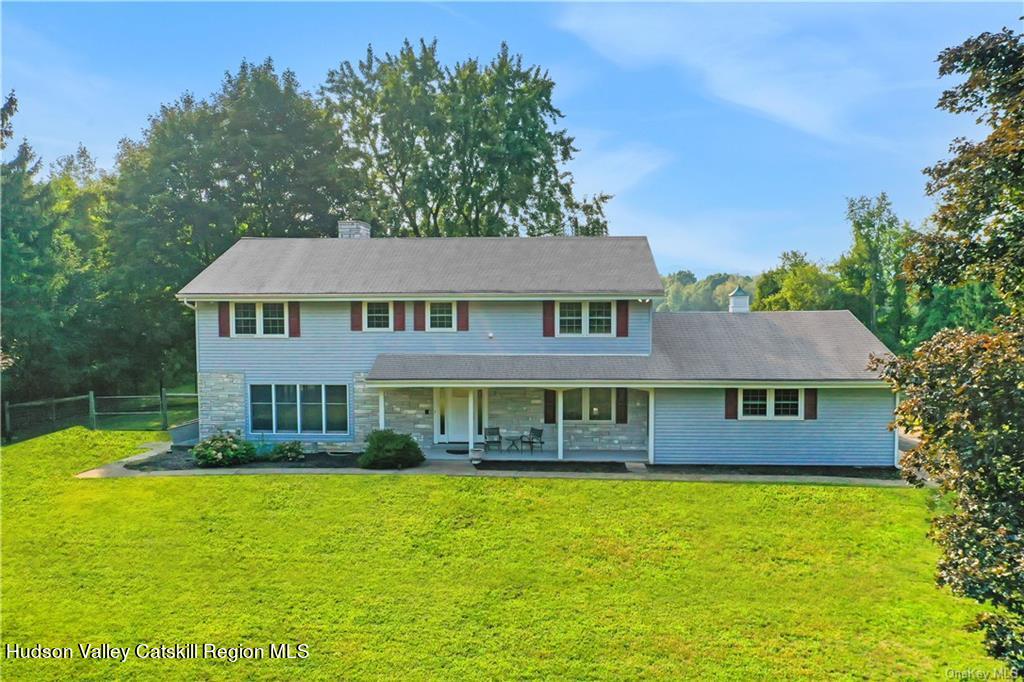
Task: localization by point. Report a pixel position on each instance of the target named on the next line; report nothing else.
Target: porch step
(636, 467)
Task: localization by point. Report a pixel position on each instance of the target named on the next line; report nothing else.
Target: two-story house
(324, 340)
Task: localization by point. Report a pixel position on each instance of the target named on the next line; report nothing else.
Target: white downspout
(380, 410)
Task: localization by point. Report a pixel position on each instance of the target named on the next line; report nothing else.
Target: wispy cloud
(604, 165)
(762, 59)
(709, 240)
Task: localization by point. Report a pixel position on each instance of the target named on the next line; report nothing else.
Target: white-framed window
(771, 403)
(298, 408)
(588, 404)
(600, 315)
(585, 318)
(378, 316)
(259, 319)
(273, 319)
(441, 316)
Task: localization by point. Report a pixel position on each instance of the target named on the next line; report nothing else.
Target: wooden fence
(121, 412)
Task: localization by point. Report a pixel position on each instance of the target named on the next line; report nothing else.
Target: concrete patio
(441, 452)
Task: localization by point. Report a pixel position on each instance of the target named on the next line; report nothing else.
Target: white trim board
(575, 383)
(639, 297)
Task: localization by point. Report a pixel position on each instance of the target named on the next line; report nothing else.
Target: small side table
(514, 442)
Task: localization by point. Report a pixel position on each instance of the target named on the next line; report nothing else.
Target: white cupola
(739, 301)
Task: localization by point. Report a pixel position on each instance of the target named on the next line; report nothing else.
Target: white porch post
(650, 425)
(472, 413)
(380, 410)
(558, 419)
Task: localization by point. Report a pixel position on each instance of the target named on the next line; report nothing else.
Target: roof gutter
(436, 296)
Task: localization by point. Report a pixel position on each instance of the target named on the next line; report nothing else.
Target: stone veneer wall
(221, 402)
(406, 410)
(518, 409)
(410, 410)
(364, 408)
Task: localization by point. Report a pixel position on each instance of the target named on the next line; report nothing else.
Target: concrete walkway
(636, 471)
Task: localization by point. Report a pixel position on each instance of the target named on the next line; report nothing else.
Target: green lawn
(432, 577)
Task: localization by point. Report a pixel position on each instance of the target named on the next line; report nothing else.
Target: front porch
(440, 452)
(586, 424)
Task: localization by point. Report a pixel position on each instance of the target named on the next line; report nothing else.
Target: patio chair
(534, 439)
(492, 438)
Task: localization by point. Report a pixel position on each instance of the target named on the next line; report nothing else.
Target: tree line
(91, 259)
(869, 279)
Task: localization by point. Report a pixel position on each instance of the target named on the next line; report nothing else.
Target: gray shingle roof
(783, 346)
(471, 265)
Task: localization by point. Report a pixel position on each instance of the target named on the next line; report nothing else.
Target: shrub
(389, 450)
(222, 450)
(290, 451)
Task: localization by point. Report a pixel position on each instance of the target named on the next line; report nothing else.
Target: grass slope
(432, 577)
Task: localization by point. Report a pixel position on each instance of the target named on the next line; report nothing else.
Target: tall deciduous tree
(870, 274)
(470, 150)
(53, 249)
(978, 229)
(795, 284)
(964, 391)
(258, 159)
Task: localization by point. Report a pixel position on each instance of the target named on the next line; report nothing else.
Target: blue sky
(728, 133)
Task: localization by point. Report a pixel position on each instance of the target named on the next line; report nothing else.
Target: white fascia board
(564, 296)
(552, 383)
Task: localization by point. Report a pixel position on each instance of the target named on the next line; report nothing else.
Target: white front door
(457, 416)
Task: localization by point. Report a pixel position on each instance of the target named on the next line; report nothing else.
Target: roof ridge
(624, 237)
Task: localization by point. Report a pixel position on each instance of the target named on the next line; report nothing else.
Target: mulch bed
(581, 467)
(181, 459)
(888, 473)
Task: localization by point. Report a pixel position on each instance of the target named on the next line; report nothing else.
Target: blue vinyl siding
(328, 352)
(851, 430)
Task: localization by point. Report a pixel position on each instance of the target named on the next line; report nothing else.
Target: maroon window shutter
(549, 407)
(357, 316)
(732, 398)
(621, 406)
(463, 310)
(224, 318)
(622, 318)
(810, 403)
(399, 316)
(549, 318)
(294, 325)
(419, 316)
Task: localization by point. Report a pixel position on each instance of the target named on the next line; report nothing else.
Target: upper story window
(259, 319)
(585, 318)
(588, 404)
(599, 317)
(771, 403)
(378, 315)
(442, 316)
(273, 319)
(245, 318)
